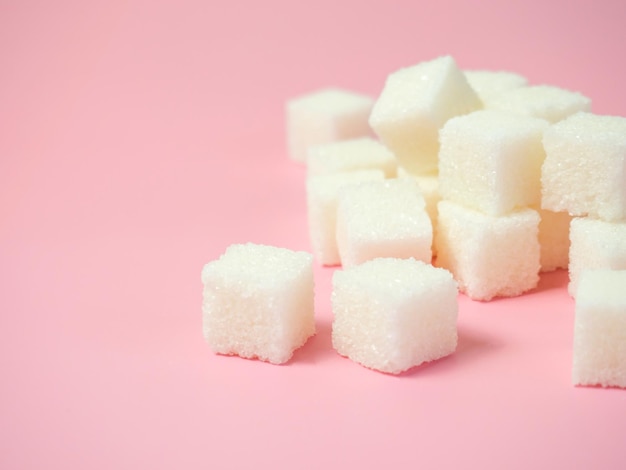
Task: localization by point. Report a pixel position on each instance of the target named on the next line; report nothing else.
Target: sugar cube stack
(600, 329)
(414, 104)
(364, 153)
(258, 302)
(383, 219)
(327, 115)
(393, 314)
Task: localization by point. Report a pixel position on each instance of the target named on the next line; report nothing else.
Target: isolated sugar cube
(491, 161)
(542, 101)
(348, 155)
(554, 239)
(322, 194)
(393, 314)
(584, 172)
(379, 219)
(258, 302)
(327, 115)
(488, 84)
(595, 244)
(489, 256)
(414, 104)
(600, 329)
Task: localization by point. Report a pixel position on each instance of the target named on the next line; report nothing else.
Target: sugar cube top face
(258, 302)
(393, 314)
(383, 219)
(491, 160)
(584, 172)
(413, 105)
(488, 84)
(600, 329)
(489, 256)
(349, 155)
(322, 197)
(543, 101)
(327, 115)
(595, 244)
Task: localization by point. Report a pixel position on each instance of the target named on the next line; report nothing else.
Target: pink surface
(139, 139)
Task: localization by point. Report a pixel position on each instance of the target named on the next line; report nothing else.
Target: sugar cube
(258, 302)
(554, 239)
(414, 104)
(491, 161)
(595, 244)
(380, 219)
(488, 84)
(600, 329)
(327, 115)
(543, 101)
(584, 172)
(348, 155)
(393, 314)
(489, 256)
(322, 193)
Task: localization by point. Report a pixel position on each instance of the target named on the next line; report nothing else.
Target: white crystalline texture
(327, 115)
(258, 302)
(489, 84)
(491, 161)
(393, 314)
(600, 329)
(383, 219)
(595, 244)
(489, 256)
(414, 104)
(348, 155)
(542, 101)
(554, 239)
(322, 195)
(584, 172)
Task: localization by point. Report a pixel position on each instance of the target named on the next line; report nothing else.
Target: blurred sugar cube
(490, 83)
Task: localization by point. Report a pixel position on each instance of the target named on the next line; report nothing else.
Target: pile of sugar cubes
(451, 180)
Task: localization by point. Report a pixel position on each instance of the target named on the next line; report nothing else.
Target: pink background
(138, 139)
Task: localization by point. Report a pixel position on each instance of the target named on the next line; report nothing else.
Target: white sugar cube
(584, 172)
(600, 329)
(413, 105)
(542, 101)
(327, 115)
(554, 239)
(595, 244)
(322, 194)
(381, 219)
(258, 302)
(349, 155)
(393, 314)
(488, 84)
(489, 256)
(491, 161)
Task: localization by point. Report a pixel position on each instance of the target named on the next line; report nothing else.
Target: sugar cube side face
(393, 314)
(490, 83)
(600, 329)
(323, 116)
(491, 161)
(595, 244)
(584, 172)
(322, 197)
(489, 256)
(413, 105)
(383, 219)
(542, 101)
(364, 153)
(258, 302)
(554, 239)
